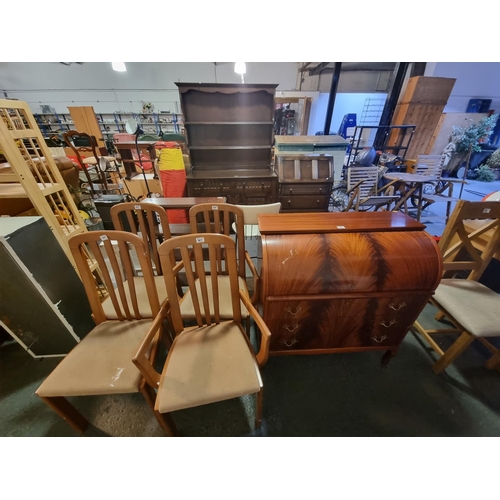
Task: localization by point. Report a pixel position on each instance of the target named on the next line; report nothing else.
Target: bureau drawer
(341, 323)
(305, 189)
(305, 202)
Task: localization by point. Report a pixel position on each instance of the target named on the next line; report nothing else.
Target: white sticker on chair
(215, 207)
(200, 240)
(340, 227)
(137, 207)
(486, 210)
(103, 237)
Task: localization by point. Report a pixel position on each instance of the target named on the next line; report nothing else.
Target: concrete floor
(326, 395)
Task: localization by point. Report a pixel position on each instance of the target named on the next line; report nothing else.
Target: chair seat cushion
(225, 305)
(473, 305)
(101, 363)
(205, 365)
(142, 298)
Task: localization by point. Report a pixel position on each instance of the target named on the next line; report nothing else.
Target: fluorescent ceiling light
(119, 66)
(240, 68)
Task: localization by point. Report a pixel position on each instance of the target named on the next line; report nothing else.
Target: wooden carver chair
(212, 361)
(101, 364)
(219, 218)
(469, 305)
(362, 190)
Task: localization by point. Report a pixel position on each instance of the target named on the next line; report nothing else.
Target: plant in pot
(494, 163)
(485, 174)
(469, 139)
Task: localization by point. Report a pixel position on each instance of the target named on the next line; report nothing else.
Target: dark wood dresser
(344, 282)
(229, 129)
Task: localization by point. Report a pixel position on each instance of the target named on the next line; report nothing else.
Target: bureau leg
(388, 355)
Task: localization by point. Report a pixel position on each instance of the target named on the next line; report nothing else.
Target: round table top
(92, 161)
(405, 177)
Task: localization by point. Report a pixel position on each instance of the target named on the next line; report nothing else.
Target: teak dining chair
(469, 305)
(212, 361)
(219, 218)
(101, 364)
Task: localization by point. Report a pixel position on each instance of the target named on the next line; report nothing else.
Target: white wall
(97, 84)
(479, 80)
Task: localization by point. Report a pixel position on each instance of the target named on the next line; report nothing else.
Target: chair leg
(258, 414)
(165, 420)
(67, 411)
(494, 362)
(439, 315)
(453, 352)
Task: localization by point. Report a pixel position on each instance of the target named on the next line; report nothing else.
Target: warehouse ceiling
(369, 77)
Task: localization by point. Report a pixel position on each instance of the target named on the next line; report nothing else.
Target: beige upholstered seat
(101, 363)
(207, 364)
(214, 360)
(142, 297)
(226, 309)
(469, 305)
(475, 306)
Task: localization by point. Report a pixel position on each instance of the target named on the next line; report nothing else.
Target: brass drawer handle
(291, 329)
(383, 323)
(397, 308)
(289, 310)
(289, 344)
(379, 340)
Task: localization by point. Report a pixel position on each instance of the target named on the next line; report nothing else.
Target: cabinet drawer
(341, 323)
(305, 189)
(306, 202)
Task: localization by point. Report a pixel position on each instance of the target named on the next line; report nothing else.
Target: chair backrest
(147, 220)
(116, 275)
(456, 239)
(251, 212)
(192, 248)
(369, 176)
(69, 138)
(430, 165)
(218, 218)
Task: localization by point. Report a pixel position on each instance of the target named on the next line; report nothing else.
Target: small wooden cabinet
(229, 132)
(305, 182)
(335, 282)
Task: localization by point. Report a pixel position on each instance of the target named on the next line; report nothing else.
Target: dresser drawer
(341, 323)
(304, 202)
(305, 189)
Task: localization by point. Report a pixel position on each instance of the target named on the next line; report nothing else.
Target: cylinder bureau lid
(375, 260)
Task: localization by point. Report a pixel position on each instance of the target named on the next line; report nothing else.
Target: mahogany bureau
(344, 282)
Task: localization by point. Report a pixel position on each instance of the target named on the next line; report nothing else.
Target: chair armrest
(256, 278)
(455, 181)
(141, 359)
(263, 353)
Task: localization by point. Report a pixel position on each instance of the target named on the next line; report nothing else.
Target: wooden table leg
(68, 412)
